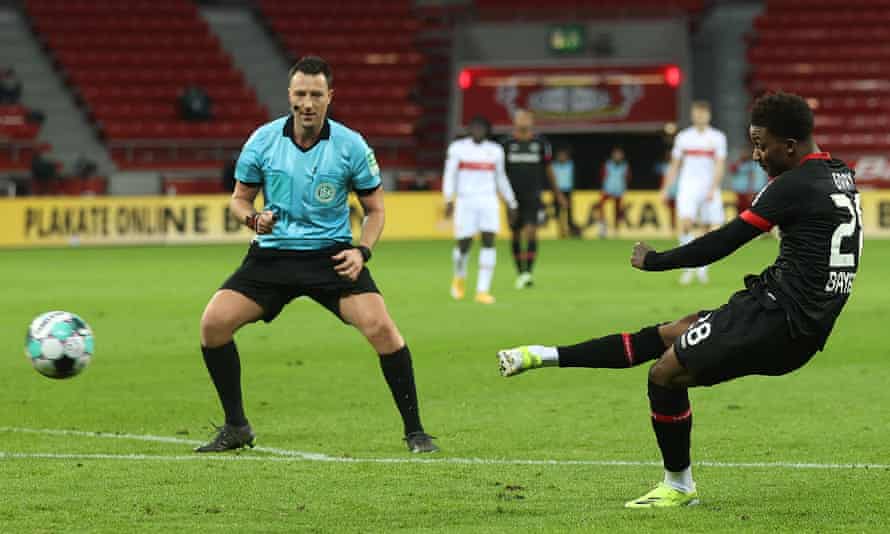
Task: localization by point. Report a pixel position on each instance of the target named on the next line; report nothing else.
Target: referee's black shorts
(743, 337)
(273, 277)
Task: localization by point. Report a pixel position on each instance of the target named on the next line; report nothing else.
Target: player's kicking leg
(368, 313)
(616, 351)
(226, 312)
(460, 255)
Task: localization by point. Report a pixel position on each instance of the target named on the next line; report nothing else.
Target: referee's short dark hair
(785, 115)
(312, 65)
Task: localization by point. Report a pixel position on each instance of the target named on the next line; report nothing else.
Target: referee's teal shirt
(307, 188)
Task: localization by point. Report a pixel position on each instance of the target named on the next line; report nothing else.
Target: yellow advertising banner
(61, 221)
(54, 221)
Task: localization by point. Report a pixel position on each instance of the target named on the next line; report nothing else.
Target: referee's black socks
(672, 422)
(616, 351)
(225, 371)
(399, 376)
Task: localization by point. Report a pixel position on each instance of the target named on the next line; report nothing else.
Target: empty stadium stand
(836, 53)
(128, 61)
(372, 48)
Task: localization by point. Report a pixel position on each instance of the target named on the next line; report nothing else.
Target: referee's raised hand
(349, 263)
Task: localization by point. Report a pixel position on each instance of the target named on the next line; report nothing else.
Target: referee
(306, 165)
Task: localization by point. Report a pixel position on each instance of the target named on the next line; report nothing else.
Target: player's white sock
(487, 260)
(460, 263)
(681, 480)
(686, 238)
(549, 355)
(703, 273)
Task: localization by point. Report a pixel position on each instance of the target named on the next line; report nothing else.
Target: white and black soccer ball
(59, 344)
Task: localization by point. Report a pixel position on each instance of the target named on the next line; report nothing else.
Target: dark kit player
(528, 166)
(773, 326)
(306, 165)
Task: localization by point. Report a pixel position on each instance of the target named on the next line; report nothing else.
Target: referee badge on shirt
(325, 192)
(372, 163)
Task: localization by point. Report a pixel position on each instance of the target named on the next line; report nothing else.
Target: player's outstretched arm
(707, 249)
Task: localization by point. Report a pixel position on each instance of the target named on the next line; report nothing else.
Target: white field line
(285, 455)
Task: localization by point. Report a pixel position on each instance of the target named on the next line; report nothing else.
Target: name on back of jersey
(843, 181)
(840, 282)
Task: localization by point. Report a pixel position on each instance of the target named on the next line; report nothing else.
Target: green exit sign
(567, 38)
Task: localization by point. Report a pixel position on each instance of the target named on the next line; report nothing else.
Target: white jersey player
(698, 161)
(474, 176)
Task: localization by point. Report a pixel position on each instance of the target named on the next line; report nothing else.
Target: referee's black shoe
(419, 442)
(229, 438)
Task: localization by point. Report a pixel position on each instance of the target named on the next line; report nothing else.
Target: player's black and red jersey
(526, 164)
(817, 209)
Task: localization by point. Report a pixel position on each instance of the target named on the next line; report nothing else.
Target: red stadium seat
(129, 61)
(836, 53)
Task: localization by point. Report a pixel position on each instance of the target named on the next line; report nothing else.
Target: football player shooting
(306, 165)
(773, 326)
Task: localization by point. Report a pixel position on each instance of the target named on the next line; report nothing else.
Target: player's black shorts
(272, 278)
(742, 337)
(528, 210)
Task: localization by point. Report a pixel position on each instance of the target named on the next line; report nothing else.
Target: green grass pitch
(314, 385)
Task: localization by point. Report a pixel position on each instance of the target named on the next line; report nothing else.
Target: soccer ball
(59, 344)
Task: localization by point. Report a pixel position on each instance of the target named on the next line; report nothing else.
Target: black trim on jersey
(366, 192)
(705, 250)
(288, 131)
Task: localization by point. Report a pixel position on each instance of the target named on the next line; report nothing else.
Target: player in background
(306, 165)
(698, 160)
(474, 176)
(528, 166)
(564, 169)
(773, 326)
(615, 176)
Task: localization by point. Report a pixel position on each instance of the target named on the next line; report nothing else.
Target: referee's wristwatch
(366, 253)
